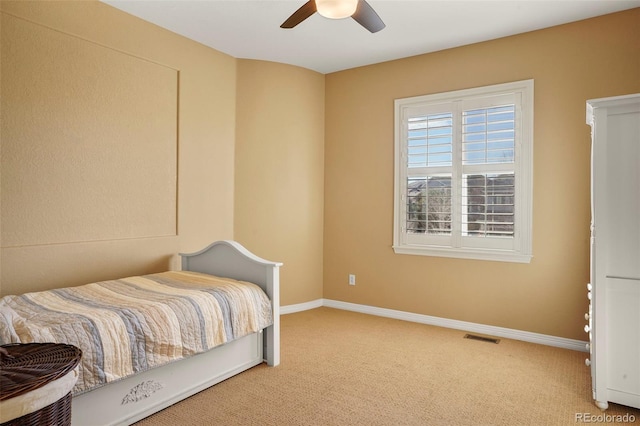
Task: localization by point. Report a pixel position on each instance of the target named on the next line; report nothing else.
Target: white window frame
(518, 248)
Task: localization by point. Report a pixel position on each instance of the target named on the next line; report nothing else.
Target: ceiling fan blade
(307, 9)
(367, 17)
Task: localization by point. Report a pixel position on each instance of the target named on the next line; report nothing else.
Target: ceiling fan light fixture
(336, 9)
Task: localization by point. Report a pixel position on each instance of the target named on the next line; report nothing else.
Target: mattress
(133, 324)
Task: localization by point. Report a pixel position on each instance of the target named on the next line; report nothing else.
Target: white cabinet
(614, 291)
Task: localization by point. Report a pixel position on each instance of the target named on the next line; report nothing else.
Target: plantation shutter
(460, 176)
(463, 179)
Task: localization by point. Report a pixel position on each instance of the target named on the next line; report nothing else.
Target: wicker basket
(27, 367)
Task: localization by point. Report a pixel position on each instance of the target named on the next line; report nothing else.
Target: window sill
(492, 255)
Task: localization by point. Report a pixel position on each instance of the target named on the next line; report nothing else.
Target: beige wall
(276, 180)
(198, 205)
(570, 64)
(280, 172)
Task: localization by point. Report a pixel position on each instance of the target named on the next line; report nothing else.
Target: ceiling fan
(359, 10)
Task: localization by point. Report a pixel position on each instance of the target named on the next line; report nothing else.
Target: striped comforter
(130, 325)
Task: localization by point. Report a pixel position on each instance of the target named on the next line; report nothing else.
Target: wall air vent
(482, 338)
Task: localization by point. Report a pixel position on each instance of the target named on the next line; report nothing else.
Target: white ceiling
(250, 29)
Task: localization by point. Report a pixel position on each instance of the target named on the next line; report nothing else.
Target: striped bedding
(130, 325)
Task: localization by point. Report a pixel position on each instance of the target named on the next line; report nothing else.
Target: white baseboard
(290, 309)
(490, 330)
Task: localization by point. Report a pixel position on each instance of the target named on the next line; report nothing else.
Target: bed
(223, 281)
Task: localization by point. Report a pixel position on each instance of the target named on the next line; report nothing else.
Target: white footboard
(126, 401)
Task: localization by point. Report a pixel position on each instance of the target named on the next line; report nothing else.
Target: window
(463, 175)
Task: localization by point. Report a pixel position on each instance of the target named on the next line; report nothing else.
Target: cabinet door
(623, 340)
(623, 193)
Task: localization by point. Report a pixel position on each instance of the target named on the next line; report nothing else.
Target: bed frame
(126, 401)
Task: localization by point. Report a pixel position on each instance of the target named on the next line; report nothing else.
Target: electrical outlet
(352, 279)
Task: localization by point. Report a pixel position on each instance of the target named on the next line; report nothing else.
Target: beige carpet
(345, 368)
